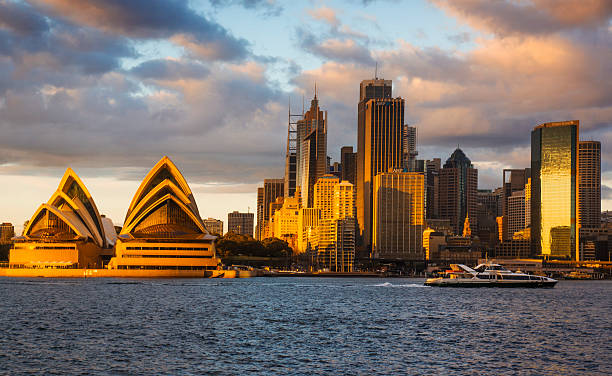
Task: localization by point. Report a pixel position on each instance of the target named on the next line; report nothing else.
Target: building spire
(315, 97)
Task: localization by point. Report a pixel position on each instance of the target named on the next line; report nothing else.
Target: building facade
(458, 191)
(348, 160)
(399, 216)
(7, 231)
(589, 177)
(554, 190)
(380, 134)
(272, 189)
(240, 223)
(311, 150)
(214, 226)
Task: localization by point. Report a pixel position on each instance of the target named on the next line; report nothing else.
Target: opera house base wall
(122, 273)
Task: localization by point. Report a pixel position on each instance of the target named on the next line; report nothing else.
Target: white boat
(488, 275)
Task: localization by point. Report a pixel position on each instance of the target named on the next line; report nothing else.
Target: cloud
(270, 7)
(149, 19)
(533, 17)
(326, 14)
(170, 69)
(606, 192)
(20, 18)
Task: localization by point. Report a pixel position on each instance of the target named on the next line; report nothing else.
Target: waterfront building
(348, 160)
(398, 216)
(240, 223)
(7, 231)
(311, 150)
(513, 180)
(66, 232)
(163, 229)
(589, 173)
(458, 190)
(214, 226)
(380, 133)
(554, 190)
(308, 225)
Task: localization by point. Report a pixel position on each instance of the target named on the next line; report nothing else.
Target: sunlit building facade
(66, 232)
(163, 229)
(554, 189)
(214, 226)
(399, 216)
(589, 168)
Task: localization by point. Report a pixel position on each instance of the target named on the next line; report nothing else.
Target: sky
(108, 87)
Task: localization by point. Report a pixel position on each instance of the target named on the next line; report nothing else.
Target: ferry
(488, 275)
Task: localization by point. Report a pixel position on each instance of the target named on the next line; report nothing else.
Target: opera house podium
(163, 234)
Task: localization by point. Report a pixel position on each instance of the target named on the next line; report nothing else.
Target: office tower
(335, 246)
(349, 164)
(515, 213)
(272, 189)
(458, 191)
(7, 231)
(311, 150)
(528, 203)
(589, 177)
(410, 148)
(260, 213)
(513, 180)
(432, 184)
(214, 226)
(554, 189)
(380, 122)
(308, 224)
(240, 223)
(398, 216)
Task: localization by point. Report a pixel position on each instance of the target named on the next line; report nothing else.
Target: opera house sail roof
(66, 231)
(163, 228)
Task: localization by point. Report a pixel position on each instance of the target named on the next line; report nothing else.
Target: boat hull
(448, 282)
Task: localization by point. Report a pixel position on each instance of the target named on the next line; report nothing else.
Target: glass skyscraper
(554, 189)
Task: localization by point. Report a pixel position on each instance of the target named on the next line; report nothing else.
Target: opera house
(163, 229)
(162, 236)
(66, 232)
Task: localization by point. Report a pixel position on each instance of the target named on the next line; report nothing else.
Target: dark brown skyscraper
(589, 178)
(432, 183)
(380, 125)
(348, 161)
(311, 150)
(458, 191)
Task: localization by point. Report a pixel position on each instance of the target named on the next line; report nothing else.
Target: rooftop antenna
(376, 71)
(315, 90)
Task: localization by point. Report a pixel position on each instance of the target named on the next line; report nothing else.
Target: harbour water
(301, 326)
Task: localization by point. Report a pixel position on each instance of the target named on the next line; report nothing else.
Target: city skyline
(99, 90)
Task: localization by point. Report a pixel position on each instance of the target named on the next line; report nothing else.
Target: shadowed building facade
(380, 133)
(267, 195)
(554, 189)
(66, 232)
(240, 223)
(163, 229)
(589, 173)
(458, 185)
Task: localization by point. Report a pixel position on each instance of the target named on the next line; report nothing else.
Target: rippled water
(301, 326)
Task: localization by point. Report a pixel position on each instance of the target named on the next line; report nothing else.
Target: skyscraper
(272, 189)
(260, 213)
(589, 173)
(458, 191)
(240, 223)
(398, 215)
(432, 183)
(311, 150)
(554, 189)
(513, 180)
(379, 145)
(410, 148)
(348, 163)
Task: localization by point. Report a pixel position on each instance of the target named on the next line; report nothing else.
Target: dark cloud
(155, 19)
(270, 8)
(20, 18)
(345, 49)
(164, 69)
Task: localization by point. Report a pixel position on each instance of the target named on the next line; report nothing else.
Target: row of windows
(165, 249)
(166, 256)
(511, 277)
(156, 267)
(46, 247)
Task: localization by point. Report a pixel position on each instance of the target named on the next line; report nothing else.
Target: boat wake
(388, 284)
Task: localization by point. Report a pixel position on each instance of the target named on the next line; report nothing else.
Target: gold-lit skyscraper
(589, 172)
(380, 126)
(399, 215)
(554, 189)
